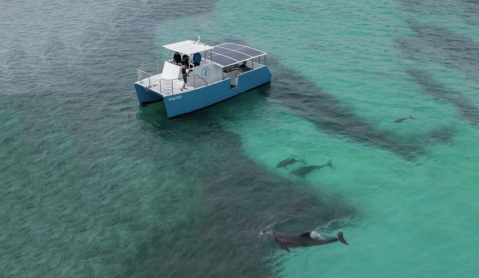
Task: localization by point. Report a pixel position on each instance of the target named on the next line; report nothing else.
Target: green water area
(95, 185)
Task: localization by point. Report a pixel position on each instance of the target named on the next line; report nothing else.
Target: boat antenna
(198, 41)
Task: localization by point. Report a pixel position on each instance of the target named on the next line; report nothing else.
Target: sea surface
(94, 185)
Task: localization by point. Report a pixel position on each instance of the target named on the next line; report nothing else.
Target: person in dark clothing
(177, 58)
(196, 59)
(186, 60)
(243, 67)
(185, 76)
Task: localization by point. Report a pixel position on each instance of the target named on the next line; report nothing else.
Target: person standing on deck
(185, 76)
(186, 61)
(196, 59)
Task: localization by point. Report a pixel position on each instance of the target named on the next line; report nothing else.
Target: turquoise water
(94, 185)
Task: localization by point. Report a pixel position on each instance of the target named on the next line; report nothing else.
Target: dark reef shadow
(331, 116)
(432, 87)
(467, 8)
(442, 45)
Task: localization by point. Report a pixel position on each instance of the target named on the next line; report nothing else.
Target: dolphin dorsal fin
(308, 234)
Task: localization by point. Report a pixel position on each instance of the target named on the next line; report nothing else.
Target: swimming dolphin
(403, 119)
(303, 240)
(302, 171)
(288, 161)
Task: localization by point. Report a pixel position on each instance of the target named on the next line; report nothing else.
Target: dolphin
(403, 119)
(288, 161)
(302, 171)
(303, 240)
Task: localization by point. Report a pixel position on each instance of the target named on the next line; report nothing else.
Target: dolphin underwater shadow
(288, 161)
(303, 171)
(286, 241)
(403, 119)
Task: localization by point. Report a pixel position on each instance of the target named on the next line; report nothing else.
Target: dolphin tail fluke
(341, 238)
(411, 117)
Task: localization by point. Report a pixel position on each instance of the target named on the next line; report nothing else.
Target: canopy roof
(228, 54)
(188, 47)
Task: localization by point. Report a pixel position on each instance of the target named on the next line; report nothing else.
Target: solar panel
(231, 46)
(237, 56)
(251, 52)
(222, 60)
(220, 50)
(229, 53)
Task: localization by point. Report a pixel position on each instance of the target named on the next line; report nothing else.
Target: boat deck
(170, 87)
(165, 87)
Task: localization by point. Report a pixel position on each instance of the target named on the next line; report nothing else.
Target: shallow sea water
(94, 185)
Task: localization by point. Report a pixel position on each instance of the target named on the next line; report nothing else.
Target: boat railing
(143, 76)
(148, 76)
(166, 86)
(198, 81)
(149, 80)
(149, 68)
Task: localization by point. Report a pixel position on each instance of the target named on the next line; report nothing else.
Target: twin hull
(189, 101)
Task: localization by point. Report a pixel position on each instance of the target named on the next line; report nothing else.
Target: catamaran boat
(221, 72)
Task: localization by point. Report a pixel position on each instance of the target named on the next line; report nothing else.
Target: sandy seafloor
(95, 185)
